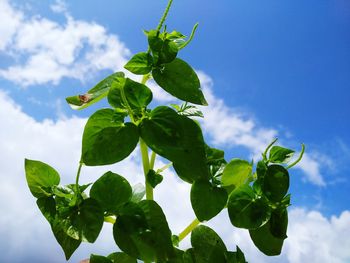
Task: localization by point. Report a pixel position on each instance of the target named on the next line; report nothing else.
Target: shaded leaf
(121, 257)
(276, 183)
(140, 64)
(47, 206)
(154, 178)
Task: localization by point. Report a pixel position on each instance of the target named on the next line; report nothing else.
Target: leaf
(154, 178)
(138, 192)
(265, 241)
(208, 246)
(207, 200)
(40, 178)
(137, 95)
(99, 259)
(88, 220)
(68, 244)
(106, 141)
(279, 223)
(140, 64)
(164, 50)
(111, 191)
(236, 173)
(276, 183)
(187, 110)
(177, 138)
(236, 257)
(246, 210)
(95, 94)
(47, 206)
(121, 257)
(280, 155)
(142, 232)
(261, 169)
(180, 80)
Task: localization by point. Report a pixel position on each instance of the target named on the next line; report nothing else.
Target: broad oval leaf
(107, 140)
(246, 210)
(180, 80)
(207, 200)
(95, 94)
(279, 223)
(40, 178)
(276, 183)
(87, 221)
(177, 138)
(265, 241)
(67, 243)
(164, 50)
(99, 259)
(142, 232)
(208, 246)
(236, 173)
(111, 191)
(280, 155)
(140, 64)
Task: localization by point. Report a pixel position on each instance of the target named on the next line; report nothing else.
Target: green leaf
(136, 94)
(68, 244)
(142, 232)
(207, 200)
(236, 257)
(187, 110)
(121, 257)
(164, 50)
(99, 259)
(276, 183)
(107, 141)
(140, 64)
(87, 221)
(236, 173)
(40, 178)
(261, 169)
(246, 210)
(265, 241)
(177, 138)
(95, 94)
(138, 192)
(111, 191)
(280, 155)
(279, 223)
(47, 206)
(180, 80)
(154, 178)
(208, 246)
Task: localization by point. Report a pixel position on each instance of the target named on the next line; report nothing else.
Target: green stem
(268, 148)
(190, 38)
(153, 159)
(299, 158)
(77, 178)
(189, 229)
(164, 167)
(146, 168)
(145, 78)
(122, 93)
(165, 14)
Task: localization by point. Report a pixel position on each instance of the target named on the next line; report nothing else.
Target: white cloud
(311, 235)
(77, 49)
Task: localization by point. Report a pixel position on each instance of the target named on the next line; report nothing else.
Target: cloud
(77, 49)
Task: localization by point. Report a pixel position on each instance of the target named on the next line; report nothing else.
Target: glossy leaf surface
(276, 183)
(181, 81)
(236, 173)
(140, 64)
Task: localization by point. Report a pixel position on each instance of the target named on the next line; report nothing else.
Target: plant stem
(77, 178)
(153, 159)
(161, 22)
(268, 148)
(190, 38)
(146, 168)
(164, 167)
(109, 219)
(145, 78)
(189, 229)
(299, 158)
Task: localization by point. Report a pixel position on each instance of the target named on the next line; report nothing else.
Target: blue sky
(267, 68)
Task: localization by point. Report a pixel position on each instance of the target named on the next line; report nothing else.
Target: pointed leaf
(106, 140)
(181, 81)
(246, 210)
(111, 191)
(177, 138)
(40, 178)
(140, 64)
(207, 200)
(95, 94)
(280, 155)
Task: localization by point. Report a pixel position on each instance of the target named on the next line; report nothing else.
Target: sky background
(268, 69)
